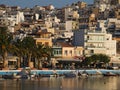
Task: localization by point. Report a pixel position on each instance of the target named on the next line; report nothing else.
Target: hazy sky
(31, 3)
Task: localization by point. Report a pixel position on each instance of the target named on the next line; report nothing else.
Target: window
(66, 52)
(92, 51)
(46, 43)
(71, 52)
(39, 43)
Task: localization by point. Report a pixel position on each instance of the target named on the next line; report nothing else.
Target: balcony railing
(95, 32)
(94, 40)
(94, 47)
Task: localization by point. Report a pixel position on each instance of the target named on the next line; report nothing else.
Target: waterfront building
(67, 55)
(95, 41)
(57, 51)
(99, 41)
(80, 29)
(11, 62)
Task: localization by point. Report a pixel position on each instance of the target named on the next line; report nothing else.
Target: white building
(99, 41)
(51, 21)
(102, 4)
(71, 25)
(70, 13)
(12, 19)
(95, 41)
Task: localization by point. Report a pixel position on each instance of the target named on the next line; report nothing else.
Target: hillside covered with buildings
(73, 32)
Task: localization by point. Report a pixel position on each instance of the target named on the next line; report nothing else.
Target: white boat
(83, 74)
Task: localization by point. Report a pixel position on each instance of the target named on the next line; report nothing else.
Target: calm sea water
(91, 83)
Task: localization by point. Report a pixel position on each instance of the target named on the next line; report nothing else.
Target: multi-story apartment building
(95, 41)
(44, 38)
(71, 25)
(99, 42)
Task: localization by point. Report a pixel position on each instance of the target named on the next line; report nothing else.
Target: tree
(86, 62)
(97, 59)
(5, 44)
(19, 51)
(48, 52)
(38, 54)
(104, 58)
(29, 45)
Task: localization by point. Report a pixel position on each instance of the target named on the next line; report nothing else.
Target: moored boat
(83, 74)
(109, 74)
(7, 76)
(70, 74)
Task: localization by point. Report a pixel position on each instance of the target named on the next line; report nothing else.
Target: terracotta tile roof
(40, 33)
(64, 44)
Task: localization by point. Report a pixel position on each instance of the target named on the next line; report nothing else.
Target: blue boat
(70, 74)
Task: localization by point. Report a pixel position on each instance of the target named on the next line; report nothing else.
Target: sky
(32, 3)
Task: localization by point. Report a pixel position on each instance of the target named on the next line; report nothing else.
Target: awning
(62, 60)
(12, 58)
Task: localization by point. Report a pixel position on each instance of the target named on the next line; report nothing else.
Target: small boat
(23, 74)
(98, 72)
(7, 76)
(83, 74)
(70, 74)
(17, 76)
(109, 74)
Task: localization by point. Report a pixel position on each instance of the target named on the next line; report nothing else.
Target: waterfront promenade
(50, 72)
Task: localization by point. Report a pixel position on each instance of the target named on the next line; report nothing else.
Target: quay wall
(93, 71)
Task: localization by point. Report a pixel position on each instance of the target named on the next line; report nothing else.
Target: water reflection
(92, 83)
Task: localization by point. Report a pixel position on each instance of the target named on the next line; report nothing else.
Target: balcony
(94, 47)
(57, 55)
(90, 40)
(94, 40)
(93, 32)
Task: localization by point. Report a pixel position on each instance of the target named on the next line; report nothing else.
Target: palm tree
(41, 52)
(47, 53)
(38, 53)
(5, 44)
(29, 45)
(19, 51)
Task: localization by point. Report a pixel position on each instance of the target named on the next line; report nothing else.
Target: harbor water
(61, 83)
(92, 82)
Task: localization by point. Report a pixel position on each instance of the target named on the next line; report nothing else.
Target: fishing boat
(83, 74)
(109, 74)
(7, 76)
(70, 74)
